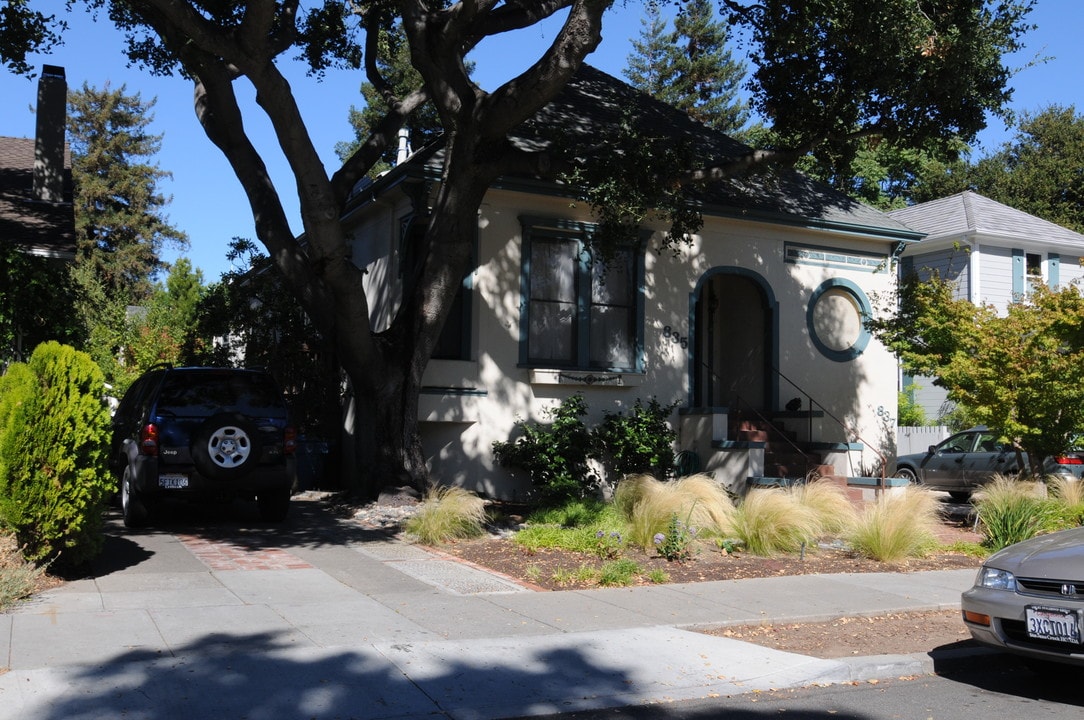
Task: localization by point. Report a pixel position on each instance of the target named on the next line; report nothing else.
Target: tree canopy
(690, 66)
(827, 72)
(24, 29)
(1021, 374)
(119, 212)
(1039, 171)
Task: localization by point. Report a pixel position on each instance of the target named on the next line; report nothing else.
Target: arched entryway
(734, 341)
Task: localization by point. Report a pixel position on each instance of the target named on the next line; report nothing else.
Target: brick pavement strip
(220, 555)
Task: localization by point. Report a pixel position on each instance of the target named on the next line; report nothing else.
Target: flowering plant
(608, 545)
(676, 544)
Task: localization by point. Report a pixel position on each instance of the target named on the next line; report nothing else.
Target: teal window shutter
(1018, 272)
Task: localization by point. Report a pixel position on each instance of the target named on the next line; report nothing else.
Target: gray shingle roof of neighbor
(593, 101)
(42, 228)
(969, 213)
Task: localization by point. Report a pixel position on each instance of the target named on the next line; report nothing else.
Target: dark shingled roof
(42, 228)
(594, 100)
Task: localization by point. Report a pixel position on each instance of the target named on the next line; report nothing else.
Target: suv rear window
(202, 393)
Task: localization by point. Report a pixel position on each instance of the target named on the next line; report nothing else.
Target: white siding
(951, 265)
(1071, 269)
(997, 272)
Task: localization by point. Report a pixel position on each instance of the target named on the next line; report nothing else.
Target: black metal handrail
(846, 428)
(771, 426)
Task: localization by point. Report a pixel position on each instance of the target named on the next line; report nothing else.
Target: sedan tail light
(1069, 460)
(289, 441)
(148, 440)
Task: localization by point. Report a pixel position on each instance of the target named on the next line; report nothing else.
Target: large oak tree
(826, 72)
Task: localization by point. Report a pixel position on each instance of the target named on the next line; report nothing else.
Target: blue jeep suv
(205, 434)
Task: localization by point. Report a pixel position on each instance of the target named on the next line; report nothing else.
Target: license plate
(1049, 623)
(173, 481)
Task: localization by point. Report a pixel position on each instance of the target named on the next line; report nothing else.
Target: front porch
(742, 450)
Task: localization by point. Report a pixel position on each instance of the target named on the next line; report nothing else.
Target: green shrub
(554, 456)
(898, 524)
(1010, 511)
(676, 544)
(447, 513)
(640, 442)
(54, 439)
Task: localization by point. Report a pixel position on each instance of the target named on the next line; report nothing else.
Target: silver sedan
(1028, 599)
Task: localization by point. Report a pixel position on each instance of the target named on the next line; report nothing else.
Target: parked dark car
(963, 462)
(203, 434)
(1028, 599)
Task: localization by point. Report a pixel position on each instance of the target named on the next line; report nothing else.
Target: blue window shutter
(1018, 272)
(1053, 270)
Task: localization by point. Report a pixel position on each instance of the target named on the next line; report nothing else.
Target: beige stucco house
(754, 330)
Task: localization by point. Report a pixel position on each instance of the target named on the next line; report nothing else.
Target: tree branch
(380, 138)
(519, 98)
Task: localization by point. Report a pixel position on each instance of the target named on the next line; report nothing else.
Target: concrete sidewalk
(320, 619)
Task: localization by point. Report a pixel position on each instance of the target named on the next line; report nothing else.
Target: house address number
(668, 333)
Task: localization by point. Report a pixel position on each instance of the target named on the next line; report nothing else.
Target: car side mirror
(931, 449)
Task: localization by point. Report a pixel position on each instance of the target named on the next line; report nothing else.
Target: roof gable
(970, 214)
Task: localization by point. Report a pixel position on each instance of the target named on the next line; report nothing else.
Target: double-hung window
(579, 311)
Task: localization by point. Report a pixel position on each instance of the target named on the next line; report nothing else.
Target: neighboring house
(991, 252)
(37, 218)
(756, 325)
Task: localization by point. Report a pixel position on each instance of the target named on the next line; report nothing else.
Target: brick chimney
(52, 114)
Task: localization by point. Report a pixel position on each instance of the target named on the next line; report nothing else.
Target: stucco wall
(472, 404)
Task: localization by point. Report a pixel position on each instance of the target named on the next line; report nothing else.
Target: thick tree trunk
(386, 368)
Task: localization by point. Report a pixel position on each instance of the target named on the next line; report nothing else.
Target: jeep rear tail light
(289, 441)
(148, 440)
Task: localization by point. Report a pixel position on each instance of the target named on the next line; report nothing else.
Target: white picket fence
(918, 439)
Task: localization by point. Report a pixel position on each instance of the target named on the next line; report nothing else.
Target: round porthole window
(835, 319)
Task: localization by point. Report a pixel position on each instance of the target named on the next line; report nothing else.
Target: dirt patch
(561, 570)
(890, 634)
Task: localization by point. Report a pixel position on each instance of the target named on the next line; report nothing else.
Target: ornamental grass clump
(19, 578)
(1068, 493)
(1011, 510)
(448, 513)
(649, 506)
(829, 503)
(773, 520)
(899, 524)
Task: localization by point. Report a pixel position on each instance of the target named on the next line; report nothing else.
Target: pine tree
(119, 220)
(649, 67)
(423, 126)
(690, 67)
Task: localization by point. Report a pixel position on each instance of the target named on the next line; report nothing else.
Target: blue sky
(207, 200)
